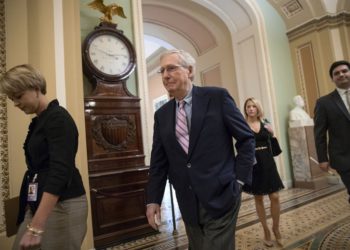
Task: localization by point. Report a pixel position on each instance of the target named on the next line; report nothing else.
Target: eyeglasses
(170, 69)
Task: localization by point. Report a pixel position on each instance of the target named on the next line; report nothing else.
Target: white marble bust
(298, 116)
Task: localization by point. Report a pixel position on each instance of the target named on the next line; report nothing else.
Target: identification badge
(32, 191)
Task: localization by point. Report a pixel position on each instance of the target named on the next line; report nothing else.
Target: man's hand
(324, 166)
(153, 215)
(240, 185)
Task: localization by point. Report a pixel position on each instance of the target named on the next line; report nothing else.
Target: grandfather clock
(117, 172)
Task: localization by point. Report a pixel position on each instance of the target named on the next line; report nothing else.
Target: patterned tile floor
(310, 220)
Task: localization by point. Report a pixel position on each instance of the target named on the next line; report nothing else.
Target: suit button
(190, 187)
(189, 165)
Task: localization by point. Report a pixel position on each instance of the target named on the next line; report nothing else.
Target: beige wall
(30, 39)
(16, 53)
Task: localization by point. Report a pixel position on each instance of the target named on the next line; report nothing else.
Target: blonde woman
(53, 206)
(266, 180)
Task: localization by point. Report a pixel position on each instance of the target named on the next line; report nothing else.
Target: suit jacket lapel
(172, 118)
(339, 102)
(199, 107)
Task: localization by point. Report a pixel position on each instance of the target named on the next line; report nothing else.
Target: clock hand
(115, 56)
(119, 55)
(111, 55)
(101, 50)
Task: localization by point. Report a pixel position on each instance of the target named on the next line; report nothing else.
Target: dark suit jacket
(50, 149)
(209, 172)
(332, 116)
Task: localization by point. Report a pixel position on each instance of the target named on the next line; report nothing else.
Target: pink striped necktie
(181, 127)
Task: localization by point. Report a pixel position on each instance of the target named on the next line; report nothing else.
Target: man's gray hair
(186, 59)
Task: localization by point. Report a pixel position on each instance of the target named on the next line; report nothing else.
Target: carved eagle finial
(108, 11)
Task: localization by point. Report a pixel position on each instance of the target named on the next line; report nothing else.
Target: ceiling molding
(296, 13)
(291, 8)
(319, 24)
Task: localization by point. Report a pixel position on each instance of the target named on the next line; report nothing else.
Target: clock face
(109, 54)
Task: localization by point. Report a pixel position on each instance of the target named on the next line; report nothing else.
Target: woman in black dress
(266, 180)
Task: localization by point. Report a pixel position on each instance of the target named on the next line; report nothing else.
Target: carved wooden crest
(114, 132)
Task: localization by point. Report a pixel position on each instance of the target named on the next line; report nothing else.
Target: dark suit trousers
(214, 234)
(345, 177)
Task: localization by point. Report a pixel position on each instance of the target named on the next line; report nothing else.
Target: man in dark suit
(332, 116)
(199, 160)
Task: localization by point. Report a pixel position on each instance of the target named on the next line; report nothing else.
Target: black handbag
(274, 146)
(273, 142)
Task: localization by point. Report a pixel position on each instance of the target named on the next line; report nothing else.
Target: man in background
(332, 118)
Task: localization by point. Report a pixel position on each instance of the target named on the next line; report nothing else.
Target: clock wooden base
(117, 173)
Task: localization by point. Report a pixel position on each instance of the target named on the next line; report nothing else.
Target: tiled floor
(310, 219)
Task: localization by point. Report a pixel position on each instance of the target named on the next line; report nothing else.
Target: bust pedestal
(306, 171)
(301, 123)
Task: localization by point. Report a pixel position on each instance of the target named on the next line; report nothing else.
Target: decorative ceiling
(194, 20)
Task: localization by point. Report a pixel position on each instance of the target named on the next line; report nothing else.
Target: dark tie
(347, 95)
(181, 127)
